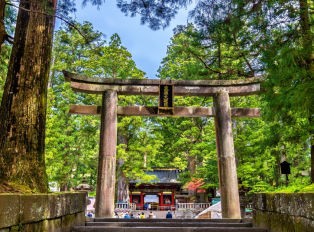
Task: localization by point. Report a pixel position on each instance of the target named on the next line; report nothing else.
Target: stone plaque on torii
(220, 90)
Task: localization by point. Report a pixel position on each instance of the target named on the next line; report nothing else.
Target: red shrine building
(160, 193)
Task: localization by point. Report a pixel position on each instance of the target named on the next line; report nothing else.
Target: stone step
(168, 224)
(167, 220)
(166, 229)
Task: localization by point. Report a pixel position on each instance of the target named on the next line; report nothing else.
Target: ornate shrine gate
(219, 89)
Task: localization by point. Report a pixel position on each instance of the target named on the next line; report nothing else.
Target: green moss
(21, 188)
(293, 189)
(17, 228)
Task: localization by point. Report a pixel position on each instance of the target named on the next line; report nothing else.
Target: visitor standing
(149, 206)
(168, 215)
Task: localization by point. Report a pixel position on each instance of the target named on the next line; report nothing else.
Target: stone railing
(125, 206)
(122, 206)
(284, 211)
(42, 212)
(192, 205)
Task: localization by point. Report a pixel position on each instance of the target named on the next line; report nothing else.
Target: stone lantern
(285, 169)
(84, 187)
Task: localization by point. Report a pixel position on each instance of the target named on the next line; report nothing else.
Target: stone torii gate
(220, 90)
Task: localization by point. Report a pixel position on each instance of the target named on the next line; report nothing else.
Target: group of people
(90, 214)
(147, 206)
(127, 215)
(139, 216)
(124, 215)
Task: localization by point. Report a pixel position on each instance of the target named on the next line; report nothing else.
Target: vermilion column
(105, 190)
(172, 198)
(130, 198)
(161, 199)
(230, 205)
(142, 199)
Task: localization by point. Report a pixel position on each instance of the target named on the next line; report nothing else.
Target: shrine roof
(165, 175)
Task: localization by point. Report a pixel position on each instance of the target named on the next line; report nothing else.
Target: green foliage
(10, 17)
(72, 141)
(227, 41)
(223, 45)
(4, 64)
(114, 62)
(19, 227)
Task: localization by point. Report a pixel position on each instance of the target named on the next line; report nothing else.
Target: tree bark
(64, 174)
(306, 30)
(192, 164)
(312, 160)
(24, 102)
(312, 150)
(309, 57)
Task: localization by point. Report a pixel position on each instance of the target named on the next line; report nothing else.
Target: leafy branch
(52, 15)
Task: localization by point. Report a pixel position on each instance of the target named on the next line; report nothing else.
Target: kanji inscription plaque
(166, 106)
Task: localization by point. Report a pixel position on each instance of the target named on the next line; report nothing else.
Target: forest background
(224, 41)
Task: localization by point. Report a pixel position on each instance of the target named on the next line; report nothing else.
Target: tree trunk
(65, 174)
(306, 31)
(123, 187)
(64, 185)
(312, 160)
(192, 170)
(309, 57)
(312, 150)
(24, 102)
(192, 164)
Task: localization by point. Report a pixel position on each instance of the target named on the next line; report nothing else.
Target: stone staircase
(167, 225)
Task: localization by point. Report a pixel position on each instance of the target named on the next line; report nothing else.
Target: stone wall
(278, 212)
(41, 212)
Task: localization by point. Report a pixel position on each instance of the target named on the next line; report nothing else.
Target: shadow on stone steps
(166, 229)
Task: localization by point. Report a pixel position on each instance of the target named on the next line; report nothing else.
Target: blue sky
(147, 47)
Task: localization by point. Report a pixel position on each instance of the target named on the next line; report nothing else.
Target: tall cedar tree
(23, 107)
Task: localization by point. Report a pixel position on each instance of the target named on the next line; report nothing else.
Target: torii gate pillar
(230, 205)
(105, 190)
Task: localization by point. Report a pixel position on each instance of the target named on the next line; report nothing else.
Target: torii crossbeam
(220, 90)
